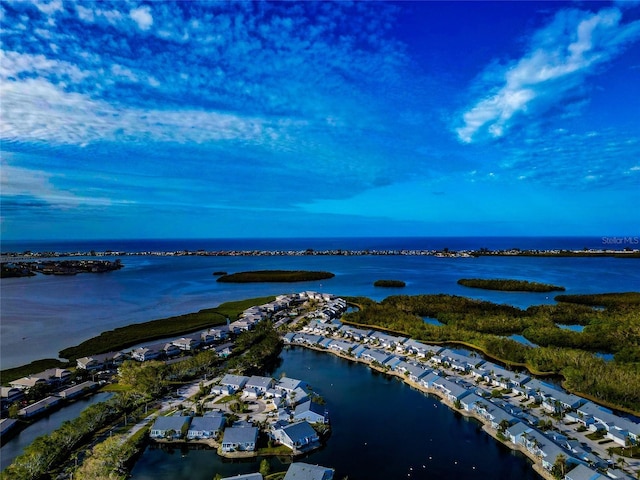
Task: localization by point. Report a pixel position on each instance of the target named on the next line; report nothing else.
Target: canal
(44, 426)
(382, 429)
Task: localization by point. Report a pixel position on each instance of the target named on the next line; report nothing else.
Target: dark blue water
(382, 429)
(41, 315)
(346, 243)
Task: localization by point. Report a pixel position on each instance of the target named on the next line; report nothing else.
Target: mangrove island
(285, 276)
(509, 285)
(389, 283)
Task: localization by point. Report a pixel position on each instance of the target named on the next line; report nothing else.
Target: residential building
(170, 427)
(290, 384)
(39, 407)
(261, 384)
(78, 390)
(582, 472)
(242, 439)
(311, 411)
(297, 436)
(306, 471)
(9, 395)
(235, 382)
(206, 427)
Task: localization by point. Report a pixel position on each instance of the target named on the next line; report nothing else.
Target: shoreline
(536, 464)
(446, 253)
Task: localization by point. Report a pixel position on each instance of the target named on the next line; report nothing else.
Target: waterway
(44, 426)
(41, 315)
(382, 429)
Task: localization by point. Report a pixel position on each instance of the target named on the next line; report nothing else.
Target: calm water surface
(42, 315)
(382, 429)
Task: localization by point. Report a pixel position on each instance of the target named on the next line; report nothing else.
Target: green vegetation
(483, 325)
(508, 285)
(109, 459)
(11, 374)
(603, 299)
(124, 337)
(631, 451)
(275, 276)
(47, 451)
(150, 379)
(389, 283)
(260, 346)
(598, 435)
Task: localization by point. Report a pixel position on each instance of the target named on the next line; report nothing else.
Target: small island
(219, 273)
(275, 276)
(389, 283)
(509, 285)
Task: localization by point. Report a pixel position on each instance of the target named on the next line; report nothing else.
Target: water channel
(44, 426)
(382, 429)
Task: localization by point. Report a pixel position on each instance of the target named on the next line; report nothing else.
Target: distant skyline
(300, 119)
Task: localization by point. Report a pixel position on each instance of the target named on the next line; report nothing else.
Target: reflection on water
(47, 314)
(382, 429)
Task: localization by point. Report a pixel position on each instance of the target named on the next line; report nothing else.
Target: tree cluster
(484, 325)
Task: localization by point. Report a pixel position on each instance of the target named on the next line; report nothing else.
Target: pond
(573, 328)
(432, 321)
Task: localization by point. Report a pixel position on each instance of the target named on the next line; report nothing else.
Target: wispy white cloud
(560, 58)
(49, 7)
(142, 16)
(38, 187)
(36, 110)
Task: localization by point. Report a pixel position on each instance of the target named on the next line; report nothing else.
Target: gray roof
(517, 429)
(287, 383)
(207, 424)
(454, 389)
(471, 399)
(607, 416)
(583, 473)
(234, 380)
(310, 406)
(299, 431)
(240, 435)
(170, 423)
(305, 471)
(261, 382)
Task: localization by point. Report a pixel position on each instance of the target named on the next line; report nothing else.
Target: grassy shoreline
(124, 337)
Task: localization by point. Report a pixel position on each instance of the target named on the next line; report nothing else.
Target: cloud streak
(553, 71)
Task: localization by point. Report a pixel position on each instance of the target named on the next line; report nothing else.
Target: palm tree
(560, 466)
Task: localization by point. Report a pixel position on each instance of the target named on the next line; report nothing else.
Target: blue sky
(189, 119)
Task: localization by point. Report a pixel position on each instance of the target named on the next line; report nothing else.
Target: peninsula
(441, 253)
(508, 402)
(58, 267)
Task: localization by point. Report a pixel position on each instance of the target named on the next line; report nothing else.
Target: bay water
(41, 315)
